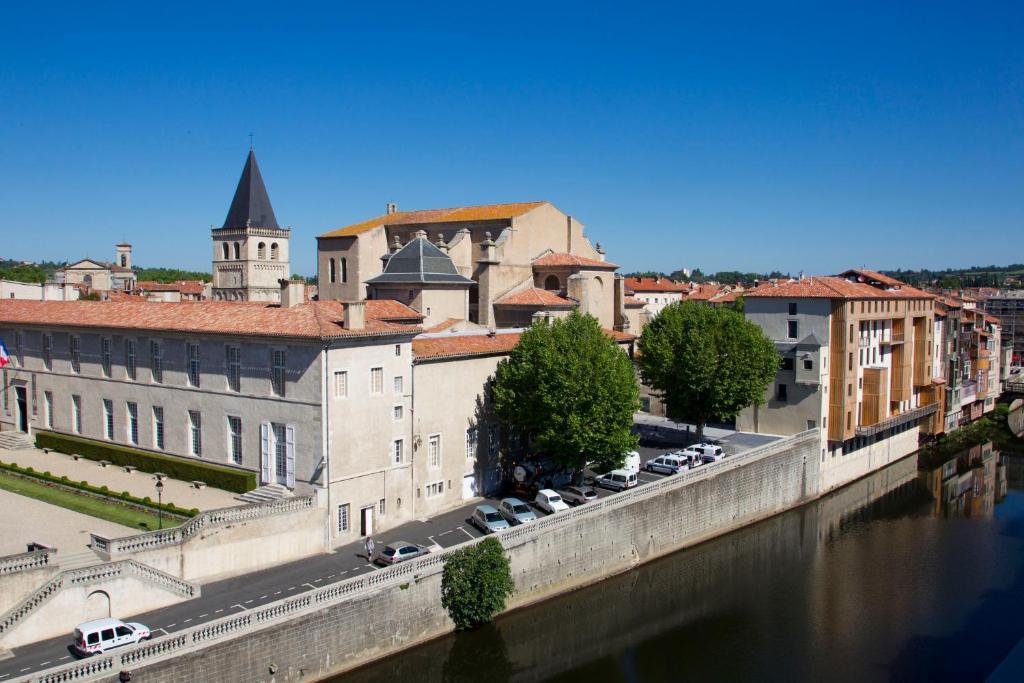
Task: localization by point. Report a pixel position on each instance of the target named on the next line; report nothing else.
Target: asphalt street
(222, 598)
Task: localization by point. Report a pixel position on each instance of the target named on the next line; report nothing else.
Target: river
(902, 576)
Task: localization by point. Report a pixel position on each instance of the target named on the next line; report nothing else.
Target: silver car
(578, 495)
(393, 553)
(516, 511)
(486, 519)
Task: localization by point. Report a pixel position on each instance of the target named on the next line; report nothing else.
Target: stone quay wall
(345, 625)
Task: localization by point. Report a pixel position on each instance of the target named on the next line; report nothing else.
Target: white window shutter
(290, 452)
(265, 452)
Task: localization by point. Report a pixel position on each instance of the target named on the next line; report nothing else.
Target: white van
(710, 451)
(632, 462)
(617, 480)
(100, 635)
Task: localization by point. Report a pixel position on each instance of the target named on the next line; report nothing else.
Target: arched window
(552, 284)
(273, 251)
(225, 250)
(332, 276)
(87, 280)
(344, 270)
(238, 252)
(261, 251)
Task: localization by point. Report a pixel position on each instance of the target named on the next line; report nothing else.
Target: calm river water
(879, 581)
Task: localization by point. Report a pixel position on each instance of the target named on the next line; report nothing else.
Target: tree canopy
(168, 275)
(475, 583)
(571, 391)
(708, 363)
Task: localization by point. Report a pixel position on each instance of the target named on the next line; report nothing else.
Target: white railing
(90, 575)
(158, 539)
(36, 559)
(176, 643)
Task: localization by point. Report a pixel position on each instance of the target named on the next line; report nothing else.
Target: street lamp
(160, 502)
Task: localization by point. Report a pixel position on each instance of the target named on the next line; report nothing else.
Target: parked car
(709, 449)
(549, 501)
(487, 519)
(100, 635)
(667, 464)
(394, 553)
(617, 480)
(516, 511)
(578, 495)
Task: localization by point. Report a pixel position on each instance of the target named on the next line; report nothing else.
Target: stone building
(523, 259)
(250, 251)
(102, 276)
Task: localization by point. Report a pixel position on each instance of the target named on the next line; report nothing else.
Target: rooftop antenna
(250, 141)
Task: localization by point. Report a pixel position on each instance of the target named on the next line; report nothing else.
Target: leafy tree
(167, 275)
(570, 390)
(708, 362)
(646, 273)
(475, 583)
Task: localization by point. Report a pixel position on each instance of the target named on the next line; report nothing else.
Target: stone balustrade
(37, 559)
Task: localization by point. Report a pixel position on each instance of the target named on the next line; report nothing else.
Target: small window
(48, 403)
(108, 419)
(434, 451)
(193, 365)
(106, 348)
(129, 358)
(235, 438)
(380, 510)
(158, 427)
(133, 423)
(792, 308)
(225, 252)
(792, 328)
(261, 251)
(810, 424)
(376, 380)
(47, 351)
(343, 516)
(398, 349)
(278, 360)
(781, 392)
(195, 433)
(397, 413)
(332, 275)
(238, 252)
(273, 251)
(344, 270)
(397, 451)
(340, 383)
(808, 364)
(76, 414)
(849, 390)
(787, 363)
(233, 359)
(398, 384)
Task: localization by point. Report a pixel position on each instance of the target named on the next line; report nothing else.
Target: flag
(5, 357)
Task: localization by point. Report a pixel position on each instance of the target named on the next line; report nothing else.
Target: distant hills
(1009, 277)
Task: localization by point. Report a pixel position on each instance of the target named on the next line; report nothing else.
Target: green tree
(707, 362)
(475, 583)
(571, 391)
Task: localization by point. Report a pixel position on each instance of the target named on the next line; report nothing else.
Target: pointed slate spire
(251, 205)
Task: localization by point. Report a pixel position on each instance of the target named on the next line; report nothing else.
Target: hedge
(238, 481)
(127, 497)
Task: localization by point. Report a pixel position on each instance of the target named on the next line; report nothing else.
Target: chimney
(487, 249)
(293, 293)
(441, 244)
(600, 252)
(355, 315)
(392, 208)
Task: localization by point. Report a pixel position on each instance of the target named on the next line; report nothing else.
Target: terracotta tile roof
(703, 292)
(533, 297)
(650, 284)
(827, 287)
(312, 320)
(564, 259)
(444, 325)
(487, 212)
(874, 275)
(630, 302)
(465, 345)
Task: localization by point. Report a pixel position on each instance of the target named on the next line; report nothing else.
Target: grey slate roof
(420, 262)
(251, 205)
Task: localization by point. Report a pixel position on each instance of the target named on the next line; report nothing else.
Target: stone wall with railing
(23, 573)
(226, 541)
(348, 623)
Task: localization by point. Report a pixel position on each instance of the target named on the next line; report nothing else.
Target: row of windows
(233, 361)
(332, 269)
(261, 251)
(376, 384)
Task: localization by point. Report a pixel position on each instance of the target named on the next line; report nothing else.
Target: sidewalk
(140, 484)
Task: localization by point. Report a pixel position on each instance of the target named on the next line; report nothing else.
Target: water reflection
(865, 584)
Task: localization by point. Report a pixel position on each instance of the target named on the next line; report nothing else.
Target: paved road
(234, 595)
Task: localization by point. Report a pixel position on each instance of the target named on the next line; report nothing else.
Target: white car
(100, 635)
(549, 501)
(632, 462)
(667, 464)
(617, 480)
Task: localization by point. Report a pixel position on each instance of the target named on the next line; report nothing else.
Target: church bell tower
(250, 251)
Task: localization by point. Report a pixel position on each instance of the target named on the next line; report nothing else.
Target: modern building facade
(250, 251)
(1008, 306)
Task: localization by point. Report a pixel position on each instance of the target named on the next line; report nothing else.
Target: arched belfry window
(261, 251)
(225, 250)
(238, 252)
(552, 284)
(273, 251)
(344, 270)
(332, 274)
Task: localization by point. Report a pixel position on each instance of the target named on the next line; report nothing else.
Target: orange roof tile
(650, 284)
(828, 287)
(486, 212)
(563, 259)
(703, 292)
(461, 345)
(632, 302)
(533, 297)
(313, 320)
(873, 275)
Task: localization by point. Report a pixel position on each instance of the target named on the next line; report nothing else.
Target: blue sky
(752, 136)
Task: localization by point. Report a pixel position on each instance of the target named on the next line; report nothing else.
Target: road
(229, 596)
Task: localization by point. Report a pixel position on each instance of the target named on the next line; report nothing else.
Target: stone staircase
(13, 441)
(265, 494)
(76, 559)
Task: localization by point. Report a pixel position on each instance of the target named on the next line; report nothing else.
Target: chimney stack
(392, 208)
(293, 293)
(355, 315)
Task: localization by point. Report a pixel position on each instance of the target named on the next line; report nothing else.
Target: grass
(84, 503)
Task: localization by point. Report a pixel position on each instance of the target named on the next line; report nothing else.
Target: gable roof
(865, 275)
(828, 287)
(556, 259)
(420, 262)
(251, 204)
(534, 297)
(317, 320)
(485, 212)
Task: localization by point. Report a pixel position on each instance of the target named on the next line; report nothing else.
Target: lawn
(84, 503)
